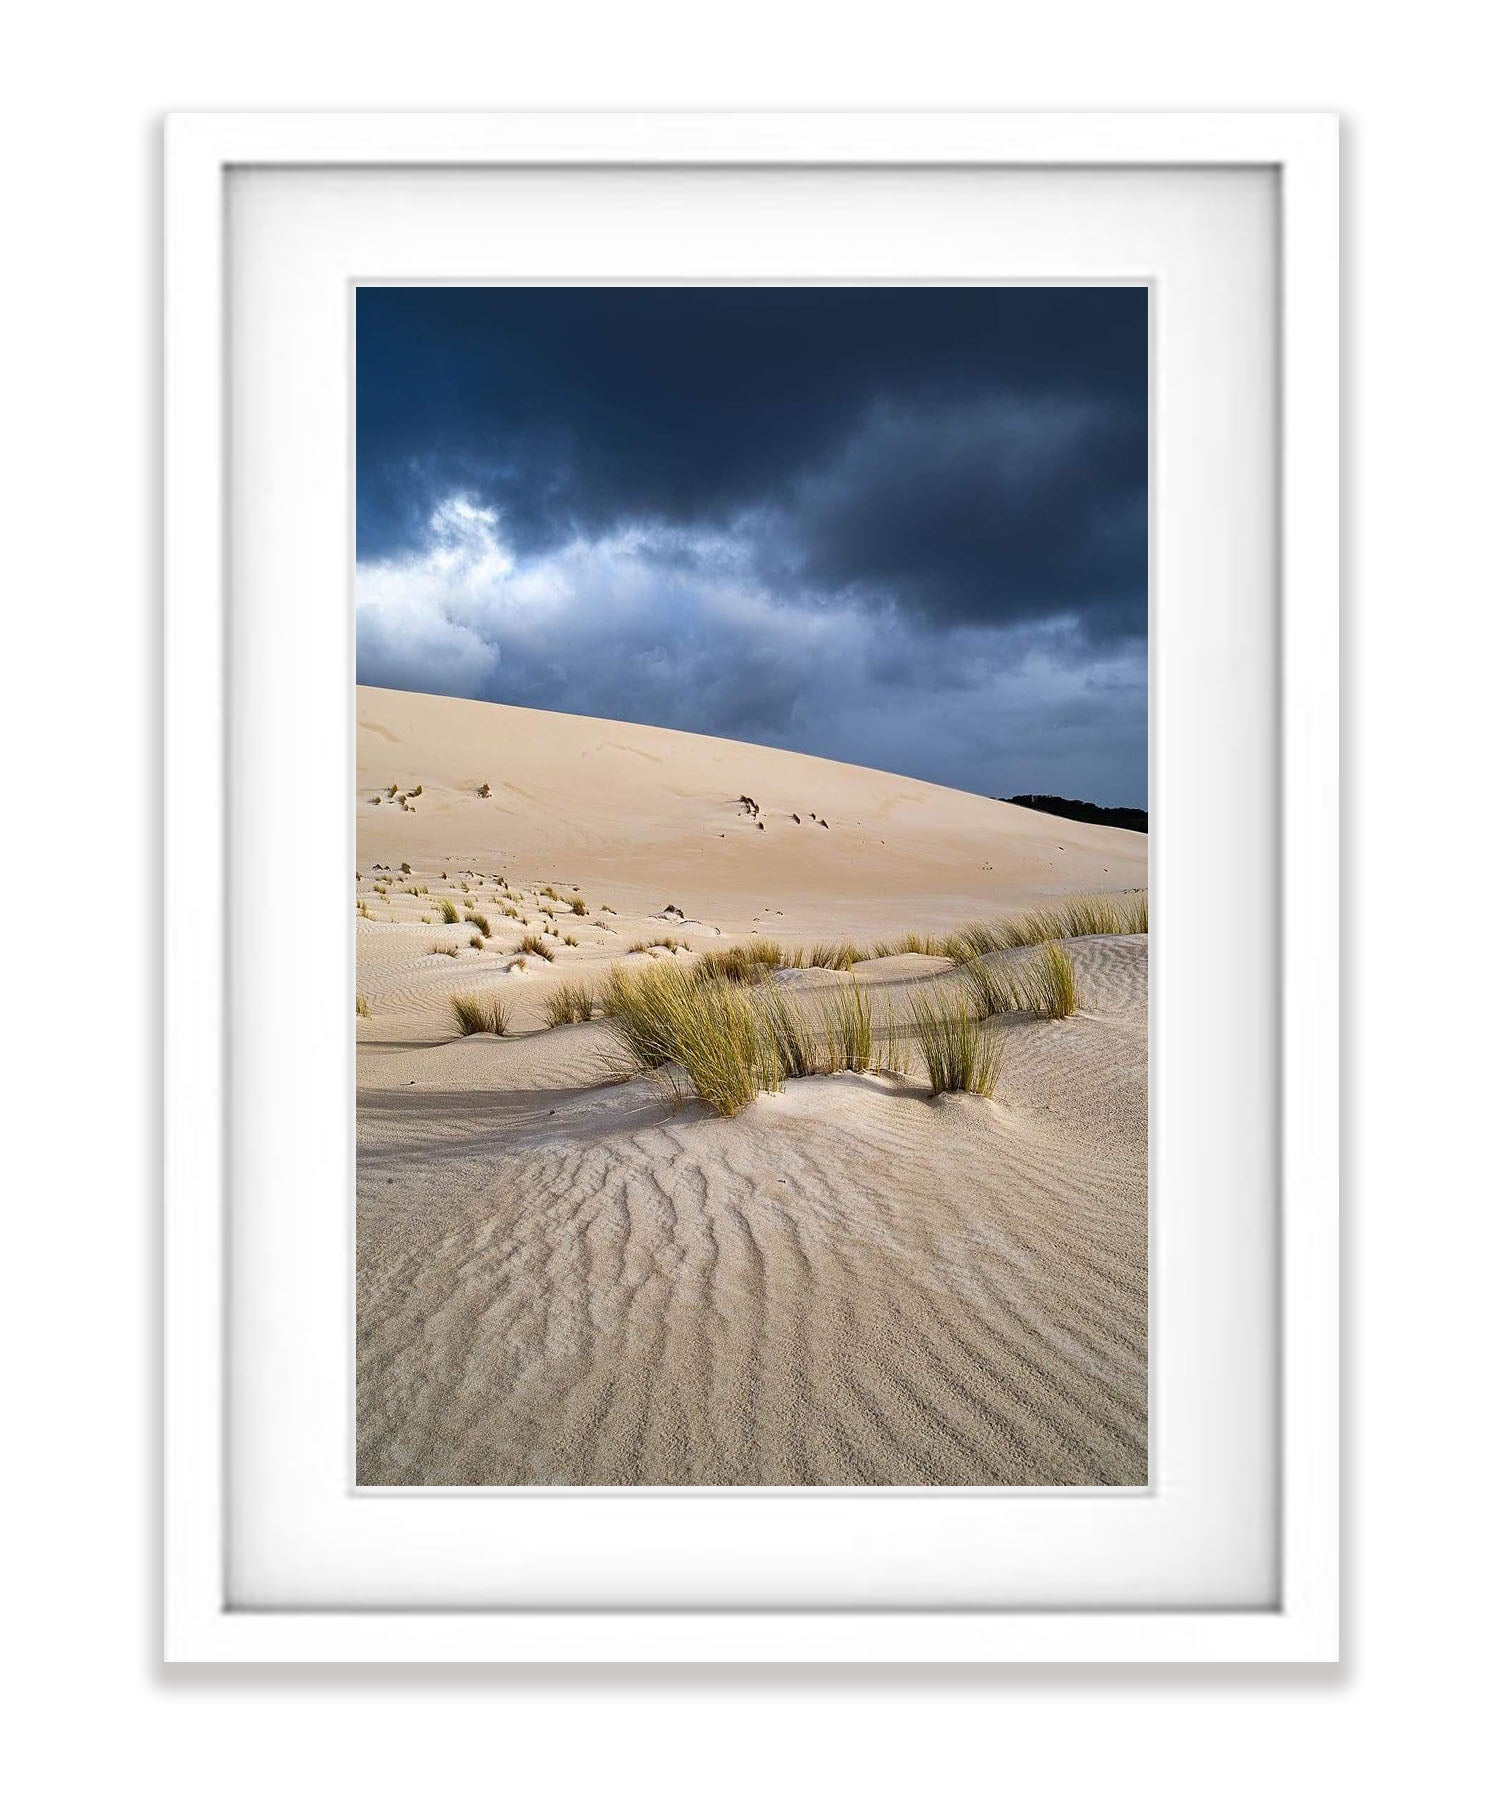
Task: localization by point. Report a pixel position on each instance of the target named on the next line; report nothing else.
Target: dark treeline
(1131, 818)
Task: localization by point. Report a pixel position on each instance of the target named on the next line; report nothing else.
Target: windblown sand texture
(564, 1278)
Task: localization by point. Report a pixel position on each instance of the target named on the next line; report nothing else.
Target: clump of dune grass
(532, 945)
(480, 923)
(791, 1037)
(577, 907)
(911, 943)
(406, 868)
(959, 1057)
(639, 1004)
(848, 1027)
(743, 963)
(476, 942)
(375, 799)
(475, 1013)
(1054, 985)
(416, 792)
(571, 941)
(448, 912)
(1043, 983)
(570, 1003)
(364, 911)
(712, 1032)
(842, 956)
(391, 791)
(442, 949)
(642, 945)
(510, 912)
(361, 1007)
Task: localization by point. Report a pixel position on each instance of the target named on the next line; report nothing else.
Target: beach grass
(848, 1027)
(571, 1003)
(477, 1013)
(958, 1056)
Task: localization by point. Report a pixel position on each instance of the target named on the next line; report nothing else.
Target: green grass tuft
(571, 1003)
(743, 963)
(959, 1058)
(841, 956)
(475, 1013)
(849, 1027)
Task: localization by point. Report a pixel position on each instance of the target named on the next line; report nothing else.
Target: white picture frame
(202, 1623)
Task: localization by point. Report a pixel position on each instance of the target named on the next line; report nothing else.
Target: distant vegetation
(1131, 818)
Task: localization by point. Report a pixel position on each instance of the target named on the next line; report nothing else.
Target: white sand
(567, 1281)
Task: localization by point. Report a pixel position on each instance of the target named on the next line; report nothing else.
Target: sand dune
(565, 1278)
(656, 816)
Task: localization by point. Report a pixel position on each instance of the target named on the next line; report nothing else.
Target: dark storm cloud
(782, 514)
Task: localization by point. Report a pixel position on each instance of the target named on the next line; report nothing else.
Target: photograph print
(750, 886)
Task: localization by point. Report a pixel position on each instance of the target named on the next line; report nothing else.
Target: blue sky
(904, 527)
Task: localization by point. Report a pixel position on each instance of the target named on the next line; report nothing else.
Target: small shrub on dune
(480, 923)
(532, 945)
(391, 791)
(572, 1003)
(959, 1058)
(476, 942)
(571, 941)
(476, 1013)
(483, 790)
(576, 905)
(406, 868)
(448, 912)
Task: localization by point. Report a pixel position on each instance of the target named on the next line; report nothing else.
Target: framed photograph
(698, 650)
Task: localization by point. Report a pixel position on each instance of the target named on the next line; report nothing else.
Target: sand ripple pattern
(847, 1284)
